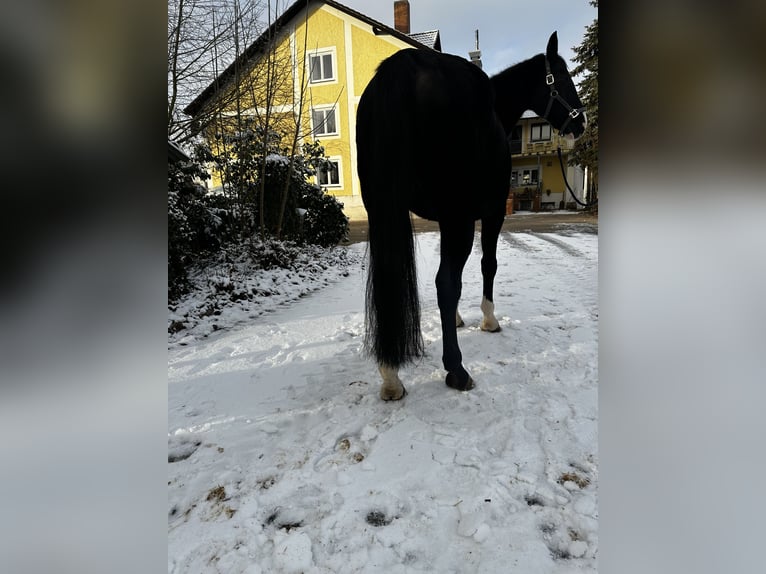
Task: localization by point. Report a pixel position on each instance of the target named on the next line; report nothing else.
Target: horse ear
(553, 45)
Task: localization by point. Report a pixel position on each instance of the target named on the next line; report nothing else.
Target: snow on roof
(175, 153)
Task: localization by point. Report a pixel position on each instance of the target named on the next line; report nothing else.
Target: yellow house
(536, 180)
(330, 53)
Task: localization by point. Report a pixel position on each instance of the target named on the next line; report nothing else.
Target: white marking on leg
(392, 388)
(489, 322)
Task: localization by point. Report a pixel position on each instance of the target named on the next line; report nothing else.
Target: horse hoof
(489, 329)
(393, 394)
(454, 383)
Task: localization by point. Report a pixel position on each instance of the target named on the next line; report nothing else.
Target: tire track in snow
(516, 242)
(564, 246)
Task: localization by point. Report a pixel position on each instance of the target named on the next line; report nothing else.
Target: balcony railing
(541, 146)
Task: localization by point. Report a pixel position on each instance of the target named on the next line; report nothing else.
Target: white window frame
(542, 128)
(337, 160)
(321, 53)
(316, 130)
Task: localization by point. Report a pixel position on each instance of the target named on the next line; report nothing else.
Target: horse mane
(509, 110)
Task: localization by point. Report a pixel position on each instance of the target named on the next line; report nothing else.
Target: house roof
(175, 153)
(430, 39)
(426, 39)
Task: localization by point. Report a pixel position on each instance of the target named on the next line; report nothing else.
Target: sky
(509, 30)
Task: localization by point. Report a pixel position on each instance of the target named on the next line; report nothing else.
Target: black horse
(431, 138)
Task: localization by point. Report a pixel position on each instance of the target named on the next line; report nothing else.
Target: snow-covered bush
(193, 223)
(324, 222)
(293, 207)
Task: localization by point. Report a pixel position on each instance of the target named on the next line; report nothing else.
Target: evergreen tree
(585, 152)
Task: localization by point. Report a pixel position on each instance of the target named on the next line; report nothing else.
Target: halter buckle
(549, 79)
(574, 113)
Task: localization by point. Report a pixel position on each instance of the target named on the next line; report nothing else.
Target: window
(514, 140)
(525, 177)
(330, 177)
(540, 132)
(322, 67)
(529, 177)
(323, 122)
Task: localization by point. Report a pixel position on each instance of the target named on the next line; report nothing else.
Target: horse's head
(558, 102)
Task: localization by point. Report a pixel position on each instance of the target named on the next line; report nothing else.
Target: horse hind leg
(456, 242)
(392, 388)
(489, 321)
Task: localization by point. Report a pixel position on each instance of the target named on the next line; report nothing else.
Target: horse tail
(392, 303)
(392, 323)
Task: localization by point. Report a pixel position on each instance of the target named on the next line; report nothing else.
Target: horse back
(431, 115)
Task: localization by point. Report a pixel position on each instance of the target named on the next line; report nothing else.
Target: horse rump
(385, 165)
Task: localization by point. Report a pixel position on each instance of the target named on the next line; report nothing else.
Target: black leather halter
(573, 112)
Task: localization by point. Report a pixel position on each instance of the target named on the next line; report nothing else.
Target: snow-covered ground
(282, 457)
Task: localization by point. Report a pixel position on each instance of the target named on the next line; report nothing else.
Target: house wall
(542, 155)
(325, 31)
(358, 53)
(369, 51)
(251, 104)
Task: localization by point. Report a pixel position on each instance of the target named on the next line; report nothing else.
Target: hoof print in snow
(575, 536)
(571, 477)
(288, 526)
(378, 518)
(547, 528)
(534, 501)
(344, 446)
(182, 450)
(564, 545)
(266, 483)
(283, 520)
(560, 553)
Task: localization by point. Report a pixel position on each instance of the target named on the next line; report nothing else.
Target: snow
(286, 460)
(277, 158)
(233, 292)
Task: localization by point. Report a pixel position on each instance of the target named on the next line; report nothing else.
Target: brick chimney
(402, 16)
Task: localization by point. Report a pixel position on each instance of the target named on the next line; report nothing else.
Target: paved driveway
(536, 222)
